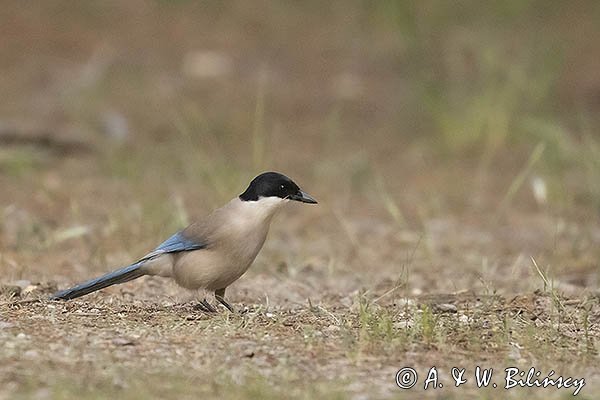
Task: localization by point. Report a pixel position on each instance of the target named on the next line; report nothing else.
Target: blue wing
(175, 244)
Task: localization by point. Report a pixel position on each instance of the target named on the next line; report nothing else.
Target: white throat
(261, 210)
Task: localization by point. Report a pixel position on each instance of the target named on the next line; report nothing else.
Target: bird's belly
(208, 269)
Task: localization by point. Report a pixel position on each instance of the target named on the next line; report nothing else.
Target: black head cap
(273, 184)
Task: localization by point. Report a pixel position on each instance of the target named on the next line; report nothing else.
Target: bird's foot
(221, 300)
(206, 307)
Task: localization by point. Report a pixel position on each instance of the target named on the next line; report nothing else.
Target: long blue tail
(122, 275)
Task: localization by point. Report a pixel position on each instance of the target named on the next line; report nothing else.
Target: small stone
(115, 125)
(514, 353)
(123, 342)
(446, 307)
(346, 301)
(402, 324)
(405, 302)
(31, 354)
(30, 289)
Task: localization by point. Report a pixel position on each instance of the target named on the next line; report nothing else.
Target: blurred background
(454, 148)
(447, 142)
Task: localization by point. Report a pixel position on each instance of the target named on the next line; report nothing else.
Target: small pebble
(123, 342)
(402, 324)
(31, 354)
(445, 307)
(30, 289)
(405, 302)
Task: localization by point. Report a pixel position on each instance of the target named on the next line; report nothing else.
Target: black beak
(302, 197)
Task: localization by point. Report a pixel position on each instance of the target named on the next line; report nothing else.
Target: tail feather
(122, 275)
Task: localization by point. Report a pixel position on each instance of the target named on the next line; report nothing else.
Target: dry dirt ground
(306, 328)
(453, 150)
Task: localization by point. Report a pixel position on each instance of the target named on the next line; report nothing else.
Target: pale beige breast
(218, 266)
(235, 233)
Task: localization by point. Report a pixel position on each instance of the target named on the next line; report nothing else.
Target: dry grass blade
(520, 178)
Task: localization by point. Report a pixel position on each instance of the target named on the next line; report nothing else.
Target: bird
(213, 252)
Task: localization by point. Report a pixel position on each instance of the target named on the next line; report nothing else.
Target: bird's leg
(220, 296)
(201, 307)
(206, 307)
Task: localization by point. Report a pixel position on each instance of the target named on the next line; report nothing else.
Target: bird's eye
(281, 187)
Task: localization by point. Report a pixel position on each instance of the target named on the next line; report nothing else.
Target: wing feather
(175, 244)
